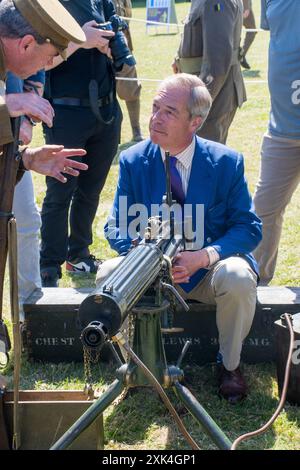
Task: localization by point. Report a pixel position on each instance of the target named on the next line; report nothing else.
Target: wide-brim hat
(52, 22)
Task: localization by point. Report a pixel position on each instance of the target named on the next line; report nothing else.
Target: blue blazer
(217, 181)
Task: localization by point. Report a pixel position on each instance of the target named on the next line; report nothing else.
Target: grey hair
(200, 101)
(13, 25)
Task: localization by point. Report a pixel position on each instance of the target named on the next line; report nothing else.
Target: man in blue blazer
(221, 270)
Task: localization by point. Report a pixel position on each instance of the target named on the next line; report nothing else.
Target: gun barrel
(110, 302)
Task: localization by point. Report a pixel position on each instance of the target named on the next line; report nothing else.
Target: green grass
(141, 421)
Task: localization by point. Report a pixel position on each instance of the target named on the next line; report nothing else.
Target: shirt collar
(186, 156)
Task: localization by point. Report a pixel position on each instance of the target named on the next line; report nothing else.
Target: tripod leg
(199, 413)
(113, 391)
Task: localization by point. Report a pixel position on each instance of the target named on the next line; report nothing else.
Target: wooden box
(45, 416)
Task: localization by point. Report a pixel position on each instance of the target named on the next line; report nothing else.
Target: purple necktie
(176, 183)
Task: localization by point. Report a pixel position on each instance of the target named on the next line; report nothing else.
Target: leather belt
(194, 64)
(83, 102)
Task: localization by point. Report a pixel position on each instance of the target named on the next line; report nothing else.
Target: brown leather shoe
(232, 385)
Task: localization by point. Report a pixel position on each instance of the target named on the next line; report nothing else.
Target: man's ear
(26, 44)
(196, 122)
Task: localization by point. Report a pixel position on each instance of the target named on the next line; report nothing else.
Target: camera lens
(118, 45)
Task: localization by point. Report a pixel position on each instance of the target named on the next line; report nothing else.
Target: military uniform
(129, 91)
(87, 115)
(56, 26)
(209, 48)
(46, 17)
(248, 23)
(5, 125)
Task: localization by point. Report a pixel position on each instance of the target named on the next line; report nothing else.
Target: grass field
(142, 422)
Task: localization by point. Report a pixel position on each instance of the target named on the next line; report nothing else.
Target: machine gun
(102, 313)
(147, 264)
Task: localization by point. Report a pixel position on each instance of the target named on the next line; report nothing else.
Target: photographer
(87, 114)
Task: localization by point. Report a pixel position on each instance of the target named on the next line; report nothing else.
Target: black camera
(120, 51)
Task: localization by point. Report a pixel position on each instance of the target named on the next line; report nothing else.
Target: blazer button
(208, 240)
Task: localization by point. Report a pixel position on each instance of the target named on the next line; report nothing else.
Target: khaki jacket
(5, 125)
(210, 42)
(6, 133)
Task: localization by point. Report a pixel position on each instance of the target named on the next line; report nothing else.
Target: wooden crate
(46, 415)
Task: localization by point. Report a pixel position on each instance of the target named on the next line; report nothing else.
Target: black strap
(94, 92)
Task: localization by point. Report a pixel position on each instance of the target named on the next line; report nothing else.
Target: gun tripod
(148, 354)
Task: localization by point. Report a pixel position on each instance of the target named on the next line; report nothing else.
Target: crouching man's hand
(53, 160)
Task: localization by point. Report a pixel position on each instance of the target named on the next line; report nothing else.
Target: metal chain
(128, 332)
(90, 356)
(131, 325)
(166, 276)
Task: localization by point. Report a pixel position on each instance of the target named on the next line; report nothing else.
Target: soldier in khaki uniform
(248, 23)
(25, 54)
(209, 48)
(31, 36)
(129, 91)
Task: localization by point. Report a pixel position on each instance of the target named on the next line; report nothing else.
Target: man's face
(171, 126)
(32, 57)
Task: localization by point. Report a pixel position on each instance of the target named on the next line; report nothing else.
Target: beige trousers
(279, 178)
(231, 286)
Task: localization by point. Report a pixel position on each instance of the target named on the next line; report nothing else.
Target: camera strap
(94, 92)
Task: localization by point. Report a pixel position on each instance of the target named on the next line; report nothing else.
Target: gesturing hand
(53, 160)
